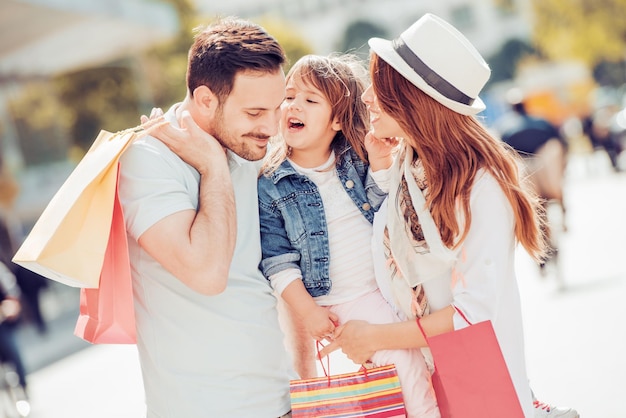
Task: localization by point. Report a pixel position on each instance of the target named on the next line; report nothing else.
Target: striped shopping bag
(371, 392)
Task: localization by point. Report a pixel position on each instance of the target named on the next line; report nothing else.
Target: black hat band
(428, 75)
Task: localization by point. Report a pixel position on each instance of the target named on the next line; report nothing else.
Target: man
(207, 329)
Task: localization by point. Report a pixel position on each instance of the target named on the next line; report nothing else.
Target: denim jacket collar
(286, 169)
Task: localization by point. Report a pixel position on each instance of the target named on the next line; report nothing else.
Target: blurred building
(43, 38)
(47, 37)
(487, 23)
(40, 39)
(558, 90)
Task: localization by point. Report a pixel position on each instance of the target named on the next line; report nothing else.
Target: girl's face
(306, 124)
(382, 125)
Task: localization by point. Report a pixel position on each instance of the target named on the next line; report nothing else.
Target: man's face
(250, 114)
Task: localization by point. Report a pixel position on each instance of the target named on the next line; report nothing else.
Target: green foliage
(588, 30)
(294, 44)
(99, 98)
(40, 120)
(114, 96)
(505, 62)
(356, 36)
(77, 105)
(164, 66)
(610, 73)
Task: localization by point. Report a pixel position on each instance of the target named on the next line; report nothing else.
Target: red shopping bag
(107, 313)
(471, 378)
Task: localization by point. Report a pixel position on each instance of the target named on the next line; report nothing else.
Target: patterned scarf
(419, 301)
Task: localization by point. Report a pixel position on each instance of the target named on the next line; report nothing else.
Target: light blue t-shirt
(202, 356)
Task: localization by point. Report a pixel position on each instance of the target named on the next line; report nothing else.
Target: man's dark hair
(227, 47)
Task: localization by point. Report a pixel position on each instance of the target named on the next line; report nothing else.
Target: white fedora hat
(440, 61)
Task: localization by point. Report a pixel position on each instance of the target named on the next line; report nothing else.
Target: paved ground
(576, 345)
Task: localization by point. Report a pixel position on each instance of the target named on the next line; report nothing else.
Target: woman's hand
(355, 339)
(380, 151)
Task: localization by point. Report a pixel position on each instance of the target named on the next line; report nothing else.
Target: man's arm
(197, 246)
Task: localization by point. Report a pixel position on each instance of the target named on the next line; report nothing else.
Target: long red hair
(453, 148)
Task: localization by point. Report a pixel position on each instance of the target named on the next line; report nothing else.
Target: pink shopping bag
(107, 313)
(471, 378)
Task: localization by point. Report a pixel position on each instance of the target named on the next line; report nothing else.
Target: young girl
(317, 199)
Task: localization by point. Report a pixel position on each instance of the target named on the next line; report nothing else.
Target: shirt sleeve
(278, 253)
(486, 258)
(382, 178)
(283, 278)
(152, 185)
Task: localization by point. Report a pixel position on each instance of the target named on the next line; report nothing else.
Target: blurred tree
(589, 30)
(356, 37)
(164, 67)
(98, 98)
(610, 73)
(504, 63)
(113, 97)
(40, 120)
(294, 44)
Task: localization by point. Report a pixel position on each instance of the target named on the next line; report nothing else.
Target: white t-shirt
(486, 288)
(202, 356)
(351, 268)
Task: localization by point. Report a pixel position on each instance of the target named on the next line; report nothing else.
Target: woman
(456, 208)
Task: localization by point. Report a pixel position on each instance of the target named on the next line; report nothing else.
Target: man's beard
(230, 141)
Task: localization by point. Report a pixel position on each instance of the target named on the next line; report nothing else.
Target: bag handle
(319, 345)
(419, 324)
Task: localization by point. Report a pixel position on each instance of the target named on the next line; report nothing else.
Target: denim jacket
(294, 233)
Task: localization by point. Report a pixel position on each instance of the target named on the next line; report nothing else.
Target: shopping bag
(107, 314)
(368, 392)
(471, 378)
(68, 241)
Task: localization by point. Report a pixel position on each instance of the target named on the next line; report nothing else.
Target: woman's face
(382, 125)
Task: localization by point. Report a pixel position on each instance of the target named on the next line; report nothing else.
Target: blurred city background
(69, 68)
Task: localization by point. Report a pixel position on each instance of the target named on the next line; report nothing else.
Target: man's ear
(205, 100)
(336, 125)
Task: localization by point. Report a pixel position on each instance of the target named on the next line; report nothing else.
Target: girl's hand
(156, 113)
(195, 146)
(320, 323)
(354, 338)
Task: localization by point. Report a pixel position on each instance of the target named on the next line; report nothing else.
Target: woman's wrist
(380, 162)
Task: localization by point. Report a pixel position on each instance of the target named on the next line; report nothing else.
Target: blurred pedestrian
(208, 336)
(446, 239)
(10, 310)
(599, 128)
(544, 157)
(11, 234)
(10, 294)
(524, 132)
(539, 143)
